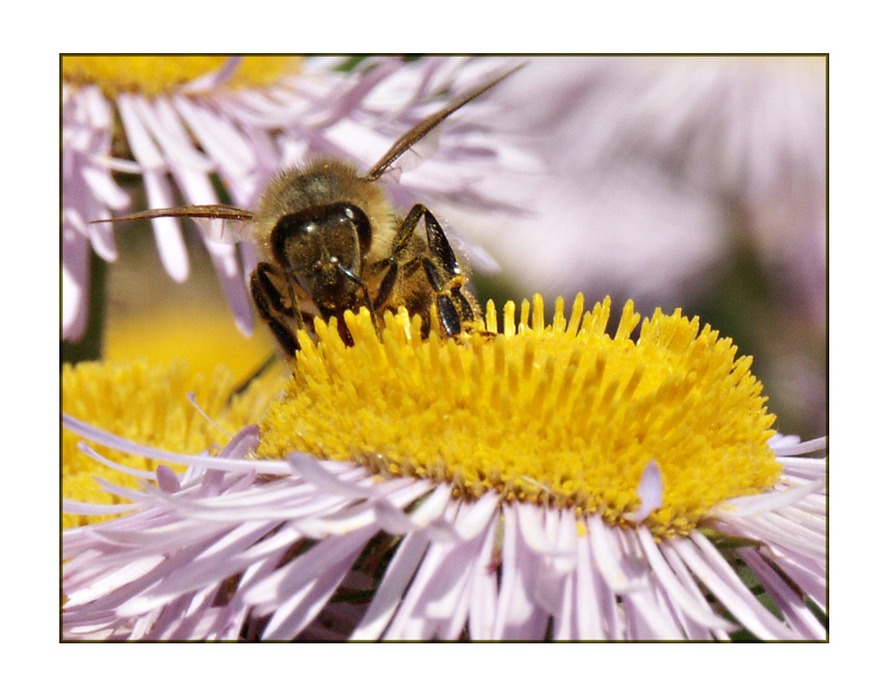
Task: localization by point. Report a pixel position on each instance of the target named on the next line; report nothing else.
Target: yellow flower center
(148, 404)
(562, 415)
(151, 75)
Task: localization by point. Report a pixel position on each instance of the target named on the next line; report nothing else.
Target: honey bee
(329, 240)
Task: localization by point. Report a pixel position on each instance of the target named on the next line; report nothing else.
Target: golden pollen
(563, 415)
(153, 75)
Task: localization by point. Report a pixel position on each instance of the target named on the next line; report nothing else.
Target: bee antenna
(195, 211)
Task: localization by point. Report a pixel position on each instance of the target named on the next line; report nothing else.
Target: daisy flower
(522, 481)
(185, 125)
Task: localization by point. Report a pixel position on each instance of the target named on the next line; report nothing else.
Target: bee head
(322, 248)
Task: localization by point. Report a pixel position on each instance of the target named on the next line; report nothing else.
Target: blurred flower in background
(697, 182)
(651, 159)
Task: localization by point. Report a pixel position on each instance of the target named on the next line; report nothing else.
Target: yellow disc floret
(152, 75)
(563, 415)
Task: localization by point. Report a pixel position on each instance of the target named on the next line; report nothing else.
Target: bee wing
(220, 222)
(223, 230)
(414, 155)
(420, 130)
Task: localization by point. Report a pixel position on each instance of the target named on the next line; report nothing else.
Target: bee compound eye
(361, 222)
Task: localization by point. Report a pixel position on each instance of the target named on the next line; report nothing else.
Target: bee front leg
(388, 282)
(284, 318)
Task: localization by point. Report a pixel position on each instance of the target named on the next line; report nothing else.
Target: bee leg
(453, 305)
(448, 315)
(388, 281)
(407, 229)
(440, 250)
(281, 317)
